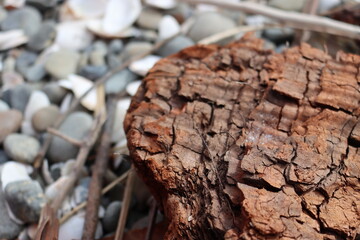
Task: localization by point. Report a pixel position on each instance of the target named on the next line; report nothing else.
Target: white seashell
(120, 15)
(132, 87)
(122, 106)
(66, 102)
(37, 100)
(87, 8)
(73, 227)
(13, 172)
(163, 4)
(79, 85)
(73, 35)
(46, 172)
(14, 3)
(168, 27)
(12, 38)
(96, 27)
(143, 65)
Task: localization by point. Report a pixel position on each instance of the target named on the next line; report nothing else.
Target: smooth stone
(278, 34)
(62, 63)
(44, 37)
(3, 157)
(14, 172)
(143, 65)
(26, 18)
(25, 199)
(113, 61)
(53, 190)
(55, 170)
(76, 126)
(134, 49)
(111, 217)
(3, 13)
(168, 27)
(41, 4)
(115, 46)
(209, 23)
(147, 36)
(149, 18)
(38, 99)
(10, 122)
(8, 228)
(118, 130)
(98, 53)
(45, 117)
(4, 106)
(24, 61)
(132, 87)
(35, 73)
(21, 148)
(175, 45)
(288, 5)
(55, 92)
(11, 79)
(81, 191)
(19, 96)
(9, 64)
(93, 72)
(119, 81)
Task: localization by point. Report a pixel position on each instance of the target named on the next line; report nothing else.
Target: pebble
(278, 35)
(175, 45)
(3, 13)
(14, 172)
(119, 81)
(111, 217)
(3, 157)
(11, 80)
(25, 199)
(115, 46)
(97, 55)
(38, 99)
(142, 66)
(62, 63)
(55, 170)
(135, 48)
(73, 35)
(44, 37)
(68, 168)
(55, 92)
(8, 228)
(21, 148)
(41, 4)
(53, 190)
(149, 18)
(168, 27)
(81, 191)
(26, 18)
(121, 108)
(3, 106)
(45, 117)
(132, 87)
(93, 72)
(24, 61)
(10, 122)
(19, 96)
(76, 126)
(35, 73)
(209, 23)
(288, 5)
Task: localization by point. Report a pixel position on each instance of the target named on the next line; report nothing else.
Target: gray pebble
(175, 45)
(111, 217)
(44, 37)
(55, 170)
(93, 72)
(113, 60)
(115, 46)
(288, 5)
(54, 92)
(209, 23)
(24, 61)
(26, 18)
(76, 126)
(45, 118)
(149, 18)
(19, 96)
(21, 147)
(10, 122)
(135, 48)
(3, 157)
(3, 106)
(41, 4)
(119, 81)
(35, 73)
(3, 13)
(62, 63)
(25, 199)
(279, 34)
(8, 228)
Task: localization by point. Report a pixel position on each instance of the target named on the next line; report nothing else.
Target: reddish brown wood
(237, 142)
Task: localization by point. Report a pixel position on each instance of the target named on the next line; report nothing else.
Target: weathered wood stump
(238, 142)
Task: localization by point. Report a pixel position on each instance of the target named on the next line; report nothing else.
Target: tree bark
(238, 142)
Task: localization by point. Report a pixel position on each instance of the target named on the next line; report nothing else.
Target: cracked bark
(238, 142)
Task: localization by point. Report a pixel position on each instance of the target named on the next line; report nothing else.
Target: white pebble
(132, 87)
(13, 172)
(142, 66)
(168, 27)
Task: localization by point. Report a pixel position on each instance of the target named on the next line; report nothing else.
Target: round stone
(77, 126)
(111, 217)
(118, 81)
(175, 45)
(93, 72)
(3, 106)
(10, 122)
(209, 23)
(288, 5)
(62, 63)
(19, 96)
(149, 19)
(134, 49)
(21, 148)
(45, 117)
(8, 228)
(54, 92)
(26, 18)
(44, 37)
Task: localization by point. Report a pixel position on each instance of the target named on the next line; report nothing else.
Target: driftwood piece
(238, 142)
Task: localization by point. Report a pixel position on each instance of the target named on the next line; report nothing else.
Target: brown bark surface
(237, 142)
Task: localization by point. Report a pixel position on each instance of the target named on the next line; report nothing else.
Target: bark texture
(238, 142)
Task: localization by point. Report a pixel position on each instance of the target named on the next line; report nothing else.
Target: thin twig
(71, 140)
(104, 191)
(291, 19)
(152, 217)
(101, 162)
(126, 204)
(40, 156)
(309, 8)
